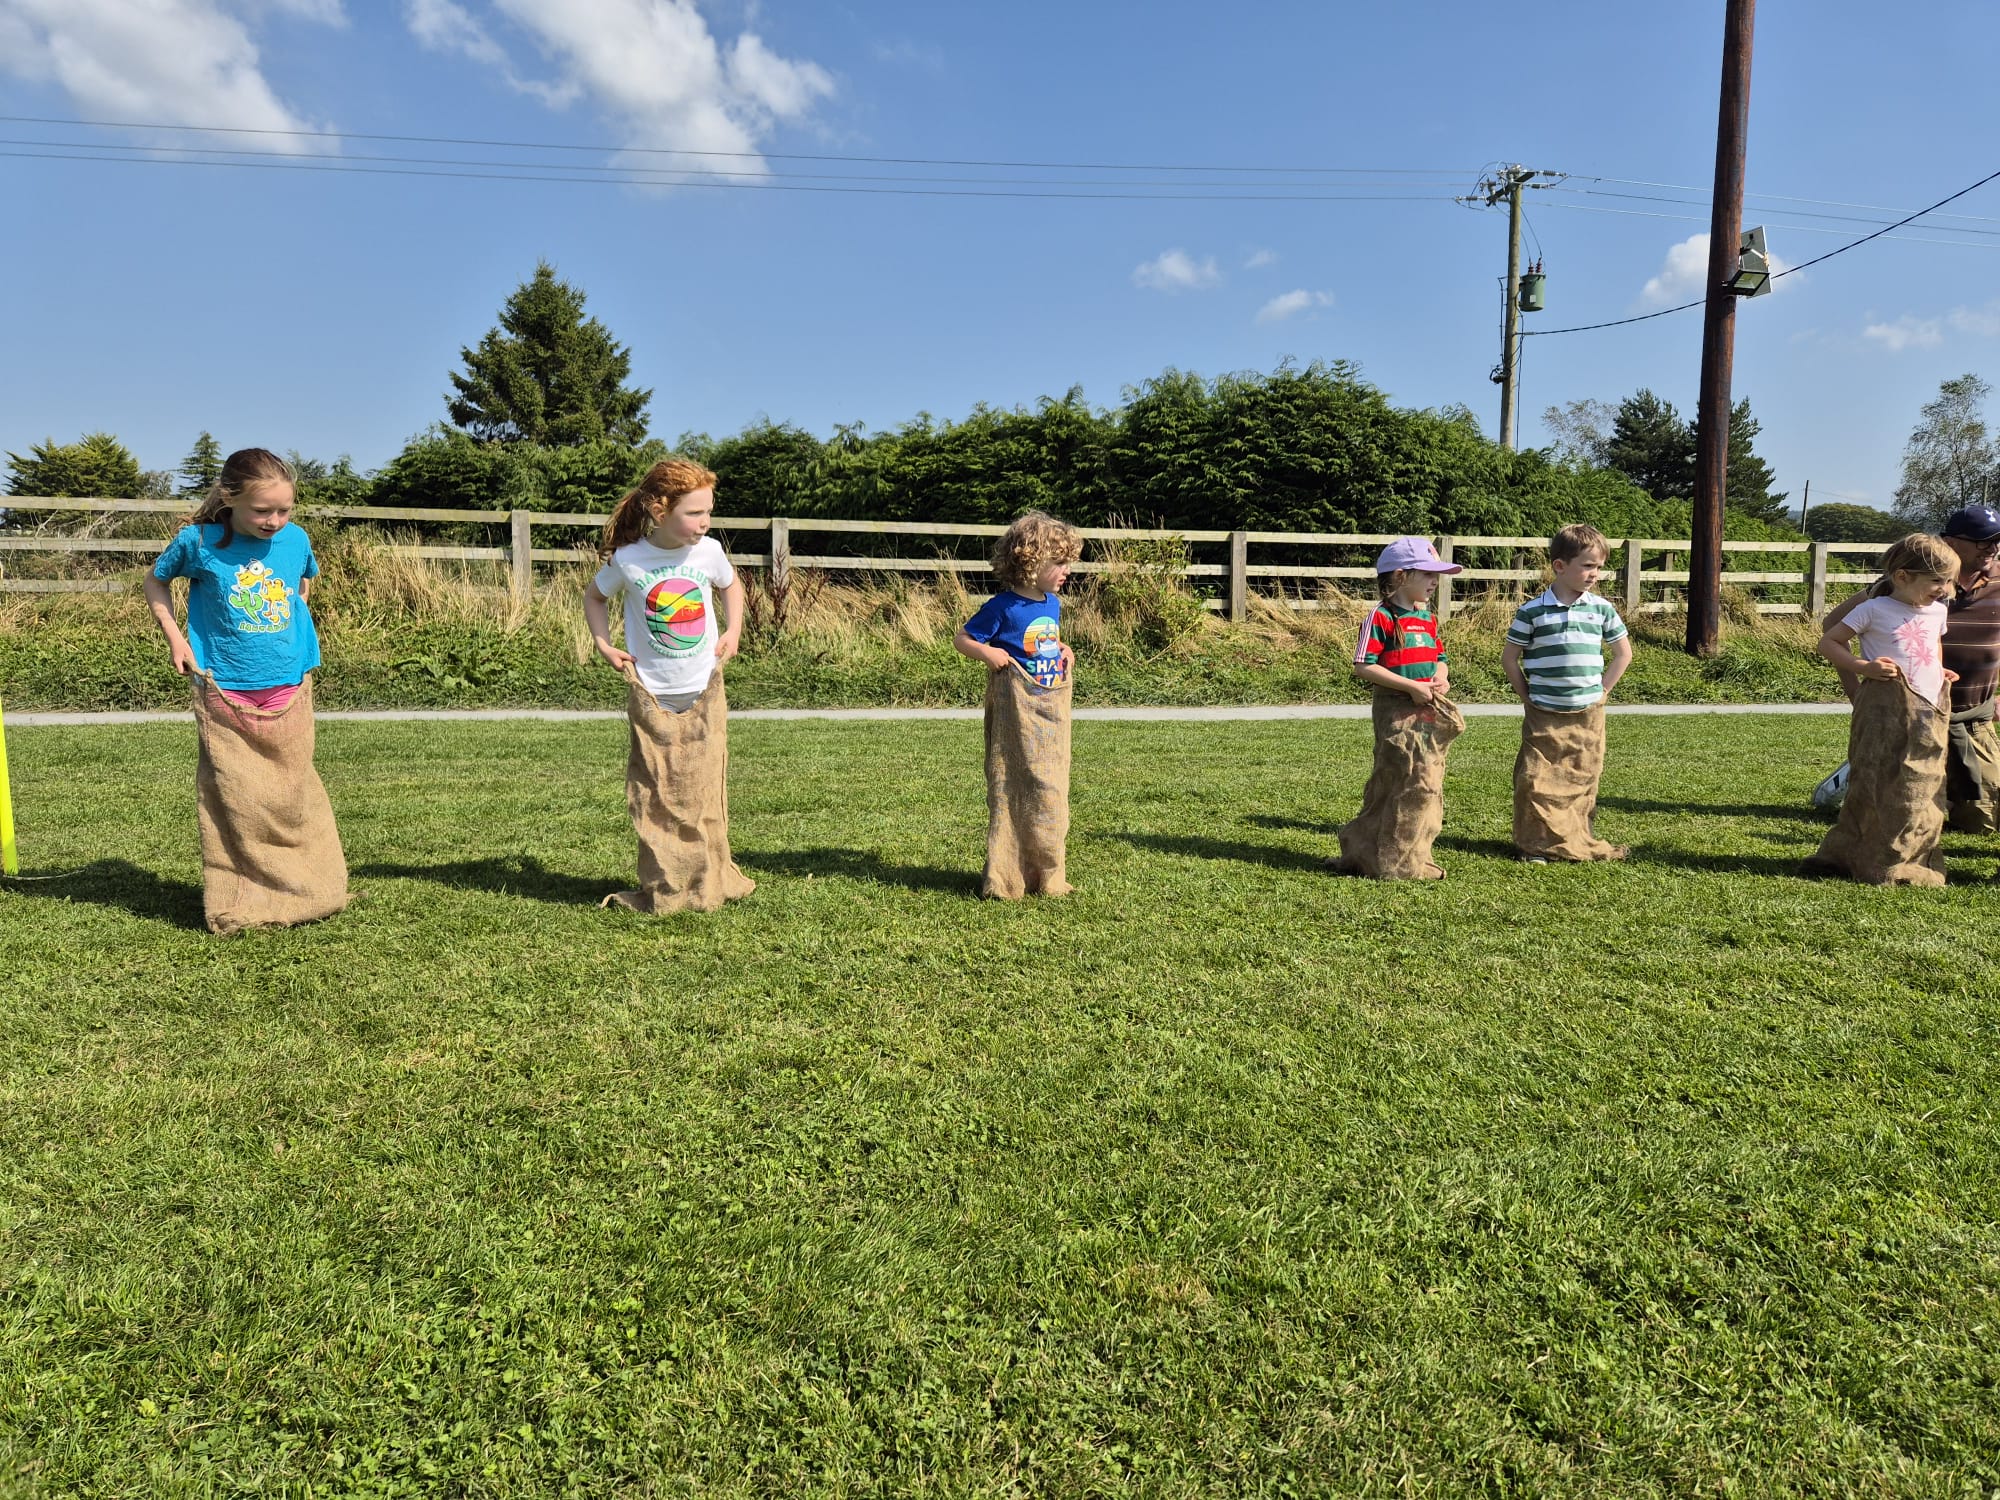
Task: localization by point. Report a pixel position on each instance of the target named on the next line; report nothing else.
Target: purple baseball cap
(1413, 552)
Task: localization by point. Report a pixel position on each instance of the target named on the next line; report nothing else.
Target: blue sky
(323, 310)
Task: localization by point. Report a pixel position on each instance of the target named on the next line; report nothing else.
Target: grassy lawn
(1223, 1176)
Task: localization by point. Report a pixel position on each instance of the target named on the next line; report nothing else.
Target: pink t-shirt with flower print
(1907, 635)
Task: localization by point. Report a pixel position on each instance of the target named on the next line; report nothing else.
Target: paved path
(739, 715)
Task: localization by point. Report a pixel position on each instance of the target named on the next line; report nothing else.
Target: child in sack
(270, 851)
(1017, 635)
(1893, 816)
(1556, 658)
(657, 552)
(1401, 654)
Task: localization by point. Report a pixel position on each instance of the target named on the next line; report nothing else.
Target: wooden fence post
(1239, 577)
(781, 554)
(1444, 545)
(1816, 588)
(1635, 557)
(520, 556)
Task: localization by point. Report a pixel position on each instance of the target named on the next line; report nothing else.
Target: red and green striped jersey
(1405, 641)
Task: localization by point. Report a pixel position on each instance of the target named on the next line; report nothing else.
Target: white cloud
(446, 26)
(177, 62)
(1259, 259)
(1907, 332)
(653, 66)
(1290, 304)
(1176, 271)
(1684, 274)
(1983, 322)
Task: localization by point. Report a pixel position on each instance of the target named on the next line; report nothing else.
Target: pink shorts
(271, 700)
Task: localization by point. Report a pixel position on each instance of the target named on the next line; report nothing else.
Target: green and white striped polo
(1562, 648)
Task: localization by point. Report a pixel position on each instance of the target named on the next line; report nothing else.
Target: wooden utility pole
(1510, 339)
(1507, 184)
(1718, 334)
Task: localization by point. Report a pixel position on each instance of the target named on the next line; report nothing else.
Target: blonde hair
(668, 481)
(1918, 552)
(242, 472)
(1035, 542)
(1574, 541)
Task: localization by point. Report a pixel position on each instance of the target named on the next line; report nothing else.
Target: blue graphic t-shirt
(246, 622)
(1029, 630)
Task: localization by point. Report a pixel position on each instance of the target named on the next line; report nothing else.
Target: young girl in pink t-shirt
(1887, 648)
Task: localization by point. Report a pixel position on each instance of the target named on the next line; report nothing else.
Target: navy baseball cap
(1973, 523)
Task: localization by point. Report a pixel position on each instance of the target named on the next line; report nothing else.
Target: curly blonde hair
(1035, 542)
(667, 481)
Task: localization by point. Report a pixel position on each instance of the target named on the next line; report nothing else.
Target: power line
(1639, 213)
(1788, 271)
(1681, 187)
(760, 185)
(664, 175)
(906, 161)
(1797, 212)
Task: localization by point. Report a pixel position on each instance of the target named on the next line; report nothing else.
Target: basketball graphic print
(676, 613)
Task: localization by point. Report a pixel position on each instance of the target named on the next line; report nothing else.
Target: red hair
(666, 482)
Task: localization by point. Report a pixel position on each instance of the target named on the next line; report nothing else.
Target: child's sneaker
(1830, 793)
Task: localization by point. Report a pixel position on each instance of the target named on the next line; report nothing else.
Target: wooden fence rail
(1629, 578)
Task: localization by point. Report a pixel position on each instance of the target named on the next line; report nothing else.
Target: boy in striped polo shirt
(1565, 651)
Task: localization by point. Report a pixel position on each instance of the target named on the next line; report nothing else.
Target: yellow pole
(10, 858)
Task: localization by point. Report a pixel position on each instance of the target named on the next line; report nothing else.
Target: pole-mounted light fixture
(1753, 266)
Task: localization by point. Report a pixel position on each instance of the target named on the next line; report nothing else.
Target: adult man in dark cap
(1971, 649)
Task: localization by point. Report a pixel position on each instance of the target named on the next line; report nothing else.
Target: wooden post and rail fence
(1627, 577)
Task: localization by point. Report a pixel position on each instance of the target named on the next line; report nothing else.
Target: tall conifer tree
(548, 374)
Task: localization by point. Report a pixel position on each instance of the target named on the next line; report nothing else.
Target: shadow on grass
(1458, 843)
(1801, 814)
(1302, 825)
(859, 864)
(503, 874)
(1718, 862)
(120, 883)
(1192, 846)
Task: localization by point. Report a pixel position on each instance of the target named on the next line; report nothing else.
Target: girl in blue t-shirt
(1017, 634)
(270, 851)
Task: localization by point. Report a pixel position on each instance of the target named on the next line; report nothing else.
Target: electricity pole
(1718, 334)
(1507, 184)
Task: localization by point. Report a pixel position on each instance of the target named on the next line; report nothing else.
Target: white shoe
(1830, 793)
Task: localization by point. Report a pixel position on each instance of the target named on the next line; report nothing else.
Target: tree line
(542, 415)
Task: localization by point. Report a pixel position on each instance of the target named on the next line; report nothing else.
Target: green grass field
(1224, 1176)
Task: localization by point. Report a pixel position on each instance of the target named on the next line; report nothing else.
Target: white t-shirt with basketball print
(670, 612)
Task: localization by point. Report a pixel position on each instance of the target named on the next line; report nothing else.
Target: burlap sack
(270, 853)
(1402, 807)
(677, 790)
(1555, 785)
(1894, 813)
(1027, 786)
(1972, 771)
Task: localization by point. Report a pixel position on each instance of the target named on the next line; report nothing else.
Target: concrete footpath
(1225, 714)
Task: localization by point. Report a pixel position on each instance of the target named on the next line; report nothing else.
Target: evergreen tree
(98, 465)
(548, 374)
(1651, 446)
(201, 468)
(1747, 490)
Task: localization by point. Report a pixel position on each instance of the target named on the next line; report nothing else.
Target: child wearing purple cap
(1401, 655)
